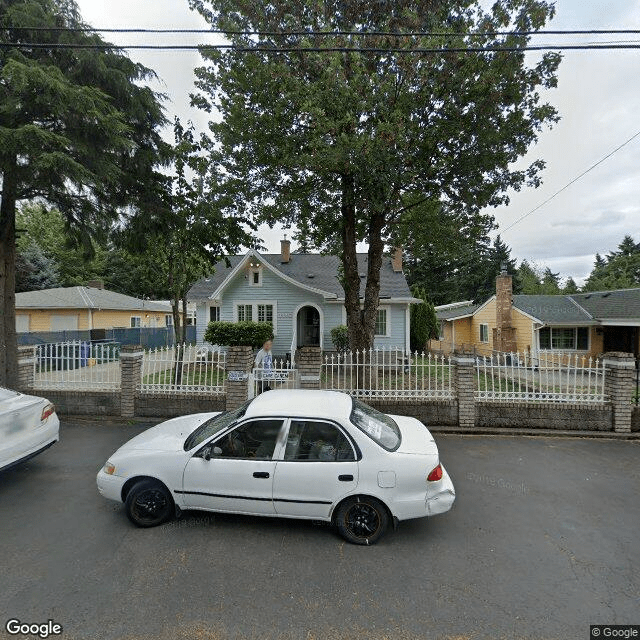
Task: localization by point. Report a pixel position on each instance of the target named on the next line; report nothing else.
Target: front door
(239, 475)
(620, 339)
(308, 328)
(319, 468)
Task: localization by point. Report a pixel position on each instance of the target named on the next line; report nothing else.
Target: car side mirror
(211, 451)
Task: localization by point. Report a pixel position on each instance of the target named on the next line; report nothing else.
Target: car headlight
(109, 468)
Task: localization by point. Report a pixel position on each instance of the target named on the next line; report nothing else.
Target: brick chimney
(504, 335)
(396, 259)
(285, 250)
(95, 284)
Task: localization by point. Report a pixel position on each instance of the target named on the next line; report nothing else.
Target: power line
(261, 49)
(333, 33)
(566, 186)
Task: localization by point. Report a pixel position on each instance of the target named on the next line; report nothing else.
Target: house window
(214, 314)
(136, 321)
(265, 313)
(564, 338)
(484, 332)
(381, 322)
(255, 278)
(245, 313)
(168, 320)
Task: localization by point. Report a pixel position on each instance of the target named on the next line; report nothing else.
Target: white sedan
(28, 426)
(318, 455)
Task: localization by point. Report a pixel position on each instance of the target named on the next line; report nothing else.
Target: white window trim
(252, 271)
(133, 326)
(575, 328)
(483, 324)
(254, 312)
(387, 309)
(168, 320)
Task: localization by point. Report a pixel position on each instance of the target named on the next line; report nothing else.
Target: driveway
(544, 539)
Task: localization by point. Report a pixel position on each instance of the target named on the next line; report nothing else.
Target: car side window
(255, 440)
(317, 441)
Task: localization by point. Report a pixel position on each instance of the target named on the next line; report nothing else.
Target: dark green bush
(340, 338)
(424, 323)
(232, 334)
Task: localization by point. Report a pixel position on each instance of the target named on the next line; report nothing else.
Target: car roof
(301, 402)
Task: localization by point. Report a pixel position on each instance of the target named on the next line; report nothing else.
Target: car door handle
(260, 474)
(346, 478)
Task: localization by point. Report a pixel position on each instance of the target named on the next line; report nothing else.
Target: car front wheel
(148, 504)
(362, 520)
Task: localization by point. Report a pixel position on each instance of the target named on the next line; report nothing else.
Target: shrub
(232, 334)
(424, 324)
(340, 338)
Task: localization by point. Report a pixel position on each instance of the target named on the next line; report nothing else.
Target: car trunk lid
(416, 438)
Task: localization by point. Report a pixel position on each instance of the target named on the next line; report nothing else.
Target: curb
(546, 433)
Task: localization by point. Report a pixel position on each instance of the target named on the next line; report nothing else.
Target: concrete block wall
(308, 362)
(155, 405)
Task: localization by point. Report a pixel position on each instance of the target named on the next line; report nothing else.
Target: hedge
(340, 338)
(232, 334)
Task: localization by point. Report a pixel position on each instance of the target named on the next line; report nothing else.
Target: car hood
(169, 435)
(416, 438)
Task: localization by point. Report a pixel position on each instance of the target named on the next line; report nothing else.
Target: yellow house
(583, 324)
(86, 308)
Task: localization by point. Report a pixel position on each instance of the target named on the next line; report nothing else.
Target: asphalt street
(544, 539)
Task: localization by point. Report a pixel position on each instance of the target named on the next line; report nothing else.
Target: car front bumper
(110, 486)
(441, 498)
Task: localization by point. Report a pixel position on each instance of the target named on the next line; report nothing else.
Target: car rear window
(378, 426)
(215, 425)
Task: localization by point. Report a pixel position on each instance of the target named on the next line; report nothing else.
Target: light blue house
(300, 294)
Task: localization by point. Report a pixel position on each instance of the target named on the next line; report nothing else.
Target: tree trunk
(184, 318)
(8, 339)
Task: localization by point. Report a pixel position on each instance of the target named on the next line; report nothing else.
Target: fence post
(309, 364)
(463, 370)
(26, 368)
(618, 386)
(130, 372)
(238, 366)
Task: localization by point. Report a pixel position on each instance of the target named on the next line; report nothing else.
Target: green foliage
(339, 141)
(35, 270)
(618, 270)
(536, 280)
(424, 323)
(570, 286)
(253, 334)
(340, 338)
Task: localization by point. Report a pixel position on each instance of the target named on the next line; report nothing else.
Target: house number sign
(283, 315)
(237, 376)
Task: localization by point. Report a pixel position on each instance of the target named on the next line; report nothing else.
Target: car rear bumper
(33, 443)
(110, 486)
(441, 498)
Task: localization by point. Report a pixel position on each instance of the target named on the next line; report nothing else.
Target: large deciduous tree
(345, 140)
(78, 129)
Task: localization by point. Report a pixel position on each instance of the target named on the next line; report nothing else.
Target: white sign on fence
(237, 376)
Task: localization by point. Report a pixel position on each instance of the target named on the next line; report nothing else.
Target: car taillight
(436, 474)
(47, 411)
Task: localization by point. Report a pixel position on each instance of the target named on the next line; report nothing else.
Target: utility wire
(333, 33)
(566, 186)
(262, 49)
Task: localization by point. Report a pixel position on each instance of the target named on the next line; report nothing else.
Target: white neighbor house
(300, 294)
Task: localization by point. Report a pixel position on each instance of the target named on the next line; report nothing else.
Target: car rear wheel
(362, 520)
(148, 503)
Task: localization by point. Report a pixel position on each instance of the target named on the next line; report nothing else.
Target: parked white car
(28, 426)
(318, 455)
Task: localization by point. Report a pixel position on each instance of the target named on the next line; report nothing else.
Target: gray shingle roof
(323, 269)
(456, 312)
(552, 309)
(623, 304)
(85, 298)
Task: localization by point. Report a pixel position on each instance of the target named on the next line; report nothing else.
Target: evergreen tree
(35, 270)
(570, 286)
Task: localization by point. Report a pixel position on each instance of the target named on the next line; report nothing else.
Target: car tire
(149, 503)
(362, 520)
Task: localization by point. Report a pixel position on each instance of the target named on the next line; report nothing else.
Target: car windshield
(215, 425)
(378, 426)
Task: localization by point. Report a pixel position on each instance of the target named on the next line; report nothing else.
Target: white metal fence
(388, 373)
(282, 375)
(77, 365)
(549, 377)
(183, 369)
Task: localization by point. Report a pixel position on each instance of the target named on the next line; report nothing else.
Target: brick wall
(435, 412)
(84, 403)
(635, 418)
(154, 405)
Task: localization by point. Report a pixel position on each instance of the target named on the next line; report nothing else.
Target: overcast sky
(598, 99)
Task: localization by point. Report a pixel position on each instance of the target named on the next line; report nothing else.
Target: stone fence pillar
(26, 369)
(130, 378)
(463, 369)
(619, 382)
(239, 362)
(309, 364)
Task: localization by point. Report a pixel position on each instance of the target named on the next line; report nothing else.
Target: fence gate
(281, 376)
